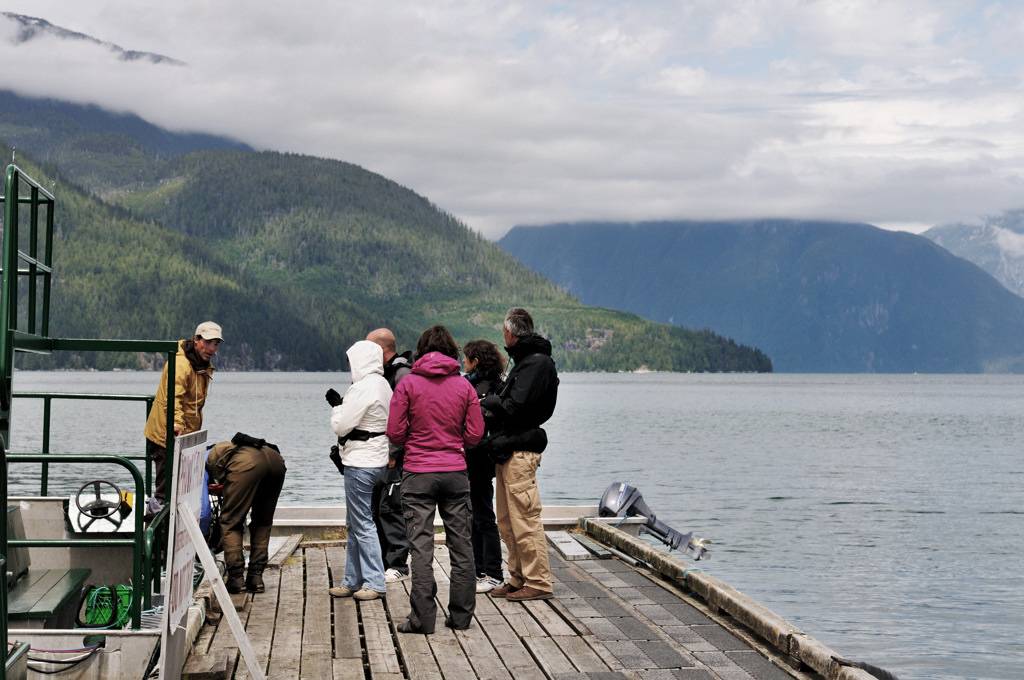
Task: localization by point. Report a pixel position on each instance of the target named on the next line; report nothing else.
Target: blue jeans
(363, 566)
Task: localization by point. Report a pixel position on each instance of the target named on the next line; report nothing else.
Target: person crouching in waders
(252, 472)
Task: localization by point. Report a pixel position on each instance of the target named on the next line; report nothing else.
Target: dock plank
(549, 619)
(261, 621)
(286, 657)
(599, 551)
(316, 630)
(568, 547)
(223, 641)
(285, 551)
(346, 619)
(609, 621)
(419, 659)
(520, 619)
(552, 660)
(381, 654)
(452, 661)
(346, 669)
(581, 654)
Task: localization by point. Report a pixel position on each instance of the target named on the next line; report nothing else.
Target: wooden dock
(610, 620)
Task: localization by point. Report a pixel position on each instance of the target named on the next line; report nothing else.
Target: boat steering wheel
(99, 507)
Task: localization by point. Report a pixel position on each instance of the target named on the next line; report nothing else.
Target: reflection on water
(881, 514)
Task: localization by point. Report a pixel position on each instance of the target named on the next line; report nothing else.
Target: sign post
(188, 543)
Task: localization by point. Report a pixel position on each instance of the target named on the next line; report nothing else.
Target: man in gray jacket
(387, 493)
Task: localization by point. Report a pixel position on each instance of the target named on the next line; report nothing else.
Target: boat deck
(609, 620)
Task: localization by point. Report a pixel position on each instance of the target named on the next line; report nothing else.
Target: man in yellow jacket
(192, 375)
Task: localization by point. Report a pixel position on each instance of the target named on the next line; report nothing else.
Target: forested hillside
(296, 256)
(817, 296)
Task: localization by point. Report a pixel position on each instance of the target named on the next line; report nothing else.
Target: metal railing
(139, 576)
(35, 268)
(48, 397)
(29, 332)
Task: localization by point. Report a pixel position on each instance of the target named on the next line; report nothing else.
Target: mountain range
(816, 296)
(996, 244)
(31, 28)
(296, 256)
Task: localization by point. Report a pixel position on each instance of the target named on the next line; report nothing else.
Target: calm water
(881, 514)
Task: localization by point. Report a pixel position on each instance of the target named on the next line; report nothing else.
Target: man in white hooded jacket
(360, 420)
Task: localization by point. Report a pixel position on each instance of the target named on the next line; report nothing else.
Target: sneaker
(365, 594)
(341, 591)
(394, 576)
(486, 584)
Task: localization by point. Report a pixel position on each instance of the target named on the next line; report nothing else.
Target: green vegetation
(297, 257)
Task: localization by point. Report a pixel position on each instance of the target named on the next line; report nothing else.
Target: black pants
(387, 515)
(448, 492)
(486, 541)
(157, 454)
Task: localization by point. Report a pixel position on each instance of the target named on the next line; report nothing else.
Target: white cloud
(505, 113)
(1010, 242)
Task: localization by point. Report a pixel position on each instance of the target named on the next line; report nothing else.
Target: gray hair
(518, 322)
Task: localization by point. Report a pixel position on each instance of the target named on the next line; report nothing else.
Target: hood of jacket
(434, 365)
(527, 345)
(188, 348)
(365, 358)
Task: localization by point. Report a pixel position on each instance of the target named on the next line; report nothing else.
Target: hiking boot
(254, 582)
(235, 583)
(341, 591)
(527, 593)
(365, 594)
(503, 590)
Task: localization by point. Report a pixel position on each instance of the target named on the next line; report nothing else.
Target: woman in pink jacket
(435, 415)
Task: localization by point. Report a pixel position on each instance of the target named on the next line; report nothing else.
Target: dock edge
(781, 635)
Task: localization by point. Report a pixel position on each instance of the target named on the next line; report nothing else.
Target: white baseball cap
(208, 330)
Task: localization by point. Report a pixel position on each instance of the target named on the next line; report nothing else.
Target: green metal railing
(34, 269)
(139, 576)
(28, 330)
(48, 397)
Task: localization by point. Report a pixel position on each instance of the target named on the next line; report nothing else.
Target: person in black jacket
(484, 365)
(526, 402)
(387, 492)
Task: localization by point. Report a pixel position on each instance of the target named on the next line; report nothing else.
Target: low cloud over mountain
(995, 243)
(34, 28)
(900, 114)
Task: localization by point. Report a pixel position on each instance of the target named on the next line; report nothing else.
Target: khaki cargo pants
(518, 513)
(254, 481)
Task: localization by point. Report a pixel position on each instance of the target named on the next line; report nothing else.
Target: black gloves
(333, 398)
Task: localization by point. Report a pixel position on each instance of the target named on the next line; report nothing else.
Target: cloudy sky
(899, 113)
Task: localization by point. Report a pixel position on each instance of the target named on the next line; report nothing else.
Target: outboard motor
(622, 500)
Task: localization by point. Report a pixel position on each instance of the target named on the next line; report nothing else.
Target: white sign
(189, 462)
(189, 542)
